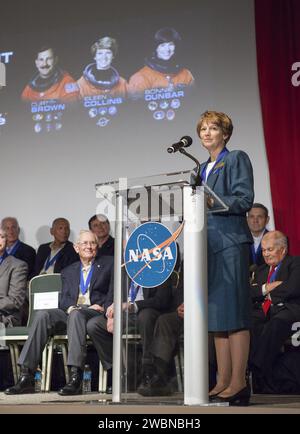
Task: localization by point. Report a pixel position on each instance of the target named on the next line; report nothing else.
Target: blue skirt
(229, 297)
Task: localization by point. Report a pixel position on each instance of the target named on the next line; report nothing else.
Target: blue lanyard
(3, 257)
(50, 262)
(14, 248)
(85, 284)
(220, 157)
(274, 274)
(133, 291)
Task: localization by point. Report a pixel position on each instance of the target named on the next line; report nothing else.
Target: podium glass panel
(157, 197)
(152, 341)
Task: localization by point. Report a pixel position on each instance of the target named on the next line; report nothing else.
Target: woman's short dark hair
(167, 34)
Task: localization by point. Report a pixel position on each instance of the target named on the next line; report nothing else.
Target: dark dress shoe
(213, 396)
(154, 386)
(25, 384)
(74, 386)
(109, 390)
(146, 379)
(240, 398)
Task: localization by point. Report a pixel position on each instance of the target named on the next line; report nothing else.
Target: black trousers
(167, 331)
(167, 334)
(103, 340)
(268, 335)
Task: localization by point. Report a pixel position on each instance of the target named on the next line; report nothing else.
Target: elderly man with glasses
(85, 285)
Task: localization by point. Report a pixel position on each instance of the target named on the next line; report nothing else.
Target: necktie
(267, 303)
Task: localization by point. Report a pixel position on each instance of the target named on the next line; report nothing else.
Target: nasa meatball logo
(150, 254)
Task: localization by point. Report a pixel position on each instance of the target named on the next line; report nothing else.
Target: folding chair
(40, 288)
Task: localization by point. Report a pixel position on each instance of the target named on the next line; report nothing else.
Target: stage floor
(95, 403)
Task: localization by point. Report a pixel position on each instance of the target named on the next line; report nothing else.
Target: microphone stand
(197, 180)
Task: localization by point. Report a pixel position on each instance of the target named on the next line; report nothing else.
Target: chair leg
(249, 379)
(49, 364)
(44, 368)
(17, 355)
(125, 364)
(102, 378)
(179, 363)
(179, 373)
(13, 361)
(65, 359)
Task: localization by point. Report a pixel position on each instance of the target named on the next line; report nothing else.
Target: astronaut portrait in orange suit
(100, 77)
(163, 68)
(50, 82)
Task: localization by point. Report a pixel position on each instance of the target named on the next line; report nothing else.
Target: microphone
(184, 142)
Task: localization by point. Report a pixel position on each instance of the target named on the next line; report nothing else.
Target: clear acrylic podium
(173, 201)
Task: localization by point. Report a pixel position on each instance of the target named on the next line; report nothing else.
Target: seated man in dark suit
(17, 248)
(145, 306)
(54, 257)
(13, 282)
(166, 335)
(257, 219)
(276, 304)
(99, 224)
(85, 285)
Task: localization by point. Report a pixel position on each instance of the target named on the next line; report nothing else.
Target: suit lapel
(212, 178)
(215, 172)
(265, 273)
(97, 268)
(282, 268)
(77, 275)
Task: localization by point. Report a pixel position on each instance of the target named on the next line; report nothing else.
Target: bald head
(60, 230)
(274, 246)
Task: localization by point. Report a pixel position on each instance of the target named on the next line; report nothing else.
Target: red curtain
(278, 52)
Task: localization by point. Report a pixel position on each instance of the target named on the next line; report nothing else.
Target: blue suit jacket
(101, 281)
(232, 180)
(259, 256)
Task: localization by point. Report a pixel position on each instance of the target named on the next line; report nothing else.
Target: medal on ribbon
(84, 284)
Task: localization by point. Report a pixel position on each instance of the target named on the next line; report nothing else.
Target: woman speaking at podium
(229, 174)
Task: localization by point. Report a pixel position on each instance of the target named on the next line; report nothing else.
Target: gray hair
(5, 219)
(280, 239)
(85, 231)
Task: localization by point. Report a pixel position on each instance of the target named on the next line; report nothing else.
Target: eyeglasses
(88, 243)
